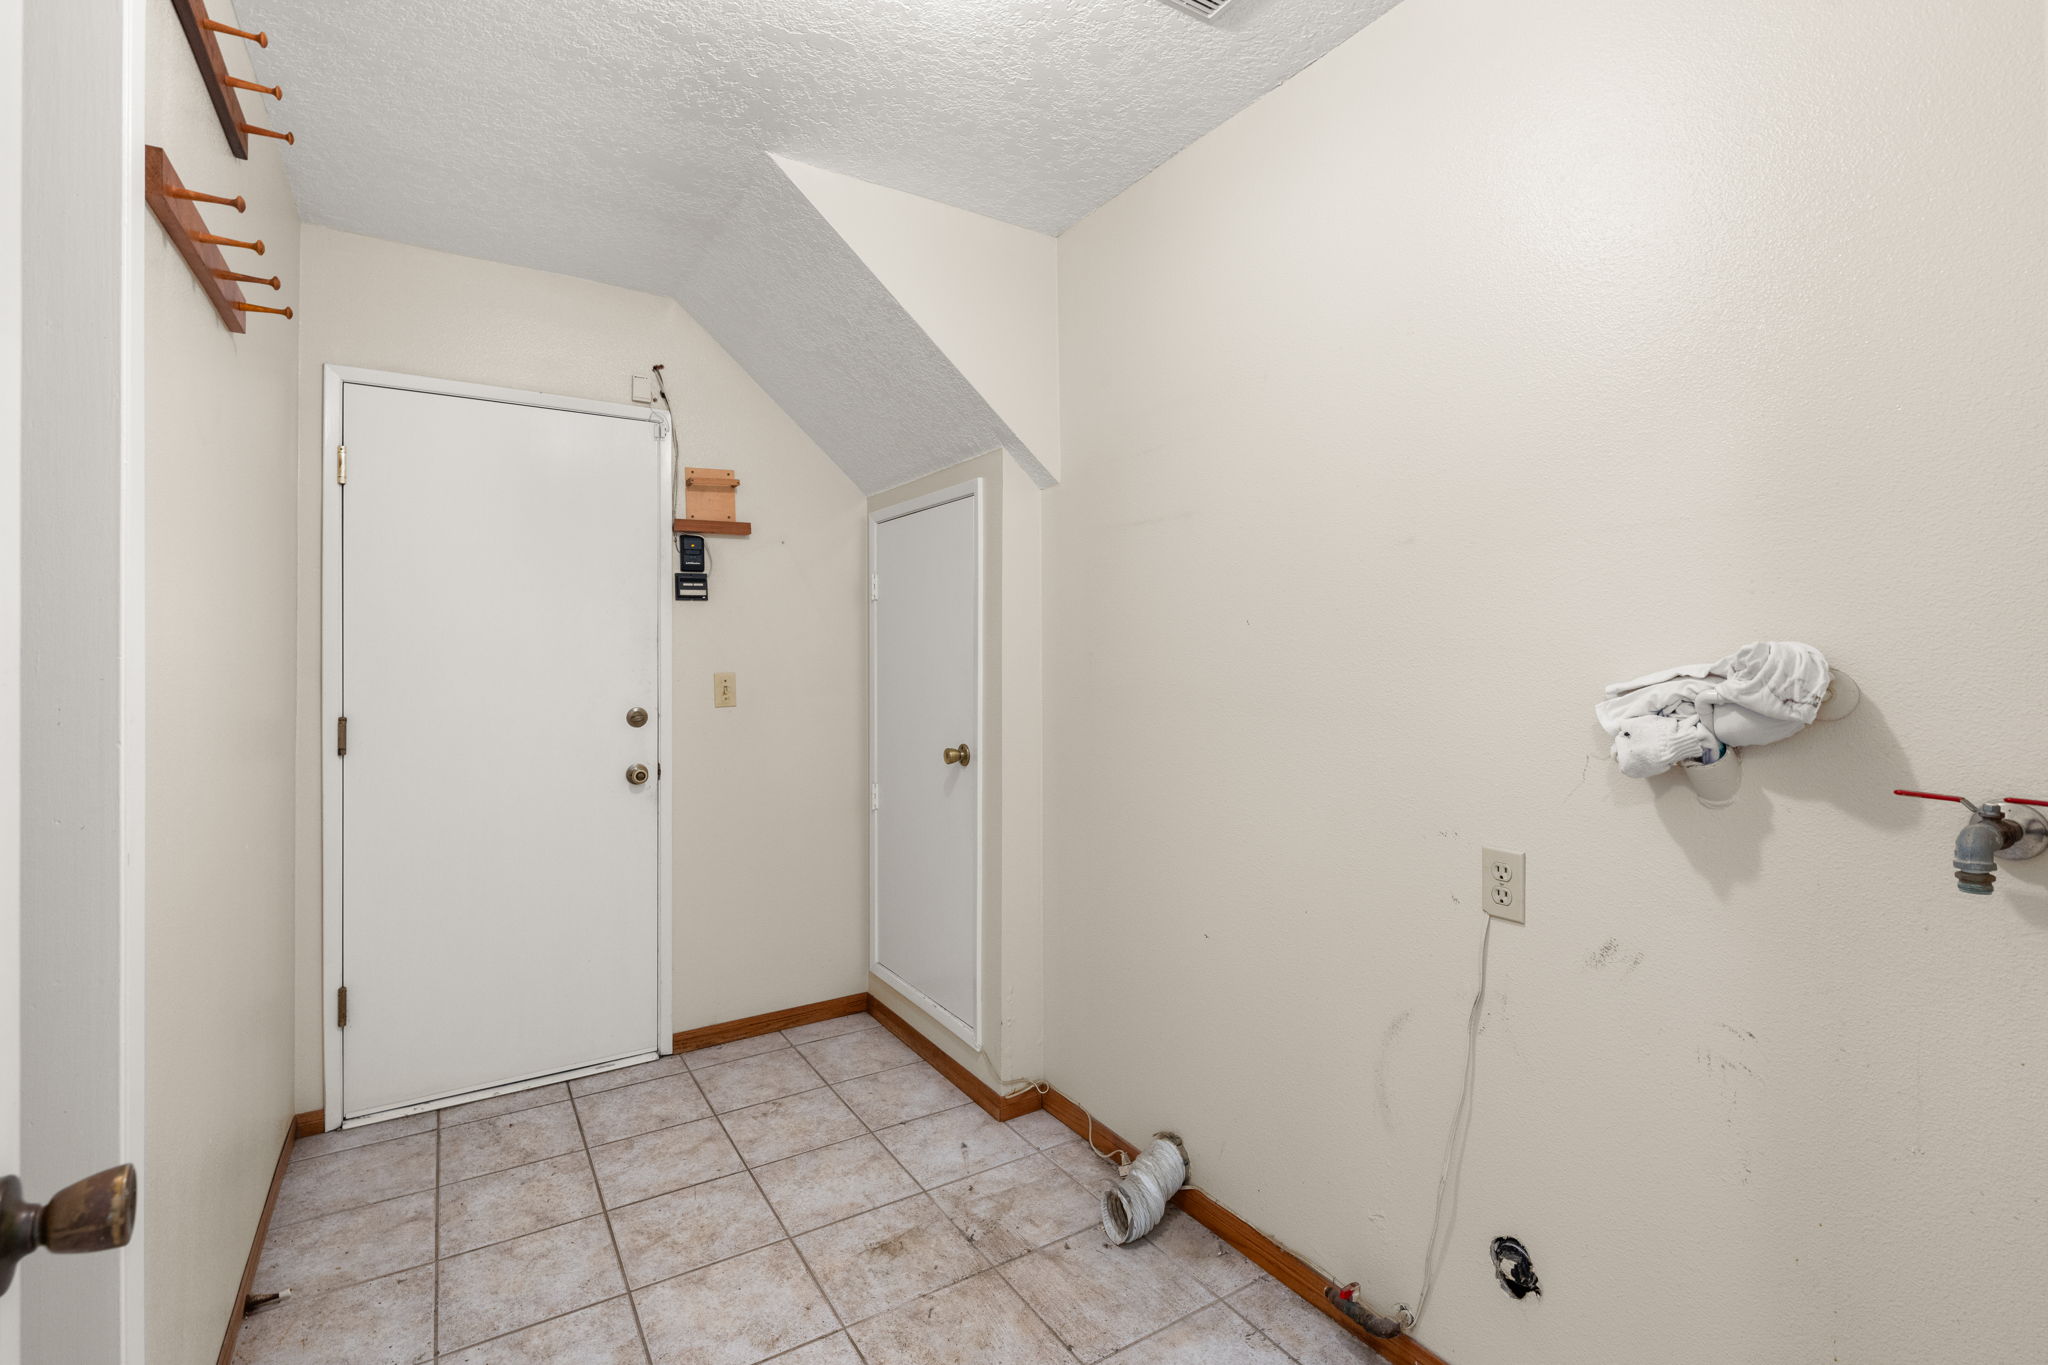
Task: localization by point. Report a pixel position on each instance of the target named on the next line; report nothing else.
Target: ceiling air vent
(1201, 9)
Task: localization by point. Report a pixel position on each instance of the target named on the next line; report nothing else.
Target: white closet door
(499, 623)
(927, 916)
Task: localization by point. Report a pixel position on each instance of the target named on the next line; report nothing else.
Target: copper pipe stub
(238, 204)
(256, 246)
(259, 308)
(275, 92)
(286, 138)
(273, 281)
(216, 26)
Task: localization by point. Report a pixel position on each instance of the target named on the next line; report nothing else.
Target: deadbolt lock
(637, 717)
(637, 774)
(960, 755)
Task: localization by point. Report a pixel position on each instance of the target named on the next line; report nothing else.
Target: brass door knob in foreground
(637, 774)
(96, 1214)
(637, 717)
(959, 755)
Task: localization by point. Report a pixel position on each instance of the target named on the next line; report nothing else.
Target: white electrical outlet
(1503, 885)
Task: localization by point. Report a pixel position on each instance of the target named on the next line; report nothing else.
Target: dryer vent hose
(1134, 1205)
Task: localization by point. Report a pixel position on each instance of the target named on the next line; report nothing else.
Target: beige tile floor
(814, 1197)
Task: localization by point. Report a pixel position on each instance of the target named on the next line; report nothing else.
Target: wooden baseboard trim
(309, 1124)
(1261, 1250)
(753, 1026)
(997, 1106)
(284, 1161)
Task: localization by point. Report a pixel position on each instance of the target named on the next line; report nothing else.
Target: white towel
(1758, 695)
(1647, 745)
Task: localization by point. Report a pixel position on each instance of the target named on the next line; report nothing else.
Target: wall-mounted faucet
(1991, 834)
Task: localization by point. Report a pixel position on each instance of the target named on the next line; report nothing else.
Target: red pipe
(1933, 796)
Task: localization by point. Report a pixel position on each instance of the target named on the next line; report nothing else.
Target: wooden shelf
(697, 526)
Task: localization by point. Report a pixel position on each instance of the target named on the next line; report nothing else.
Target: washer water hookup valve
(1990, 835)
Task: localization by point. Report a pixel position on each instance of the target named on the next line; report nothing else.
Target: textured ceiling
(626, 140)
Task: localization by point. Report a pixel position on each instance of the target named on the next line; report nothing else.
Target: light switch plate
(1503, 885)
(725, 689)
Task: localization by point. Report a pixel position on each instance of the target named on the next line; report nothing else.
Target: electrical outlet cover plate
(1503, 885)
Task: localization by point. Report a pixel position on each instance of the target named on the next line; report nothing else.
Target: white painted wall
(220, 414)
(771, 860)
(1542, 345)
(984, 291)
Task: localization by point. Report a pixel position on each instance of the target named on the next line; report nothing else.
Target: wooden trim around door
(996, 1105)
(309, 1124)
(292, 1133)
(1262, 1251)
(754, 1025)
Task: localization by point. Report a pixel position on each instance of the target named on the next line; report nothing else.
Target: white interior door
(499, 623)
(927, 701)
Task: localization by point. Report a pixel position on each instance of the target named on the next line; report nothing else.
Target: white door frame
(970, 1031)
(334, 376)
(11, 339)
(82, 602)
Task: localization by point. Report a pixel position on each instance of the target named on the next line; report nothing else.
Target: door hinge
(341, 1007)
(341, 464)
(874, 587)
(341, 737)
(874, 796)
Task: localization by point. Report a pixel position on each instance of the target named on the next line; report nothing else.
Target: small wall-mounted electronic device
(693, 583)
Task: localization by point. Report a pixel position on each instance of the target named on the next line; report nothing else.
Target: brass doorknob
(960, 755)
(637, 774)
(637, 717)
(96, 1214)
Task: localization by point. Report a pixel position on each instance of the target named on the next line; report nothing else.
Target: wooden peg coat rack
(204, 32)
(174, 207)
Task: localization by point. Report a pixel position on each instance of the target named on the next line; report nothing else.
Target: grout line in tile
(634, 1085)
(776, 1214)
(519, 1166)
(530, 1326)
(438, 1130)
(921, 1194)
(506, 1114)
(801, 1259)
(485, 1246)
(359, 1147)
(618, 1257)
(1213, 1302)
(1260, 1332)
(1031, 1307)
(807, 1090)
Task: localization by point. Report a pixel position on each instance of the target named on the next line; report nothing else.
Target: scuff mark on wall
(1612, 954)
(1380, 1092)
